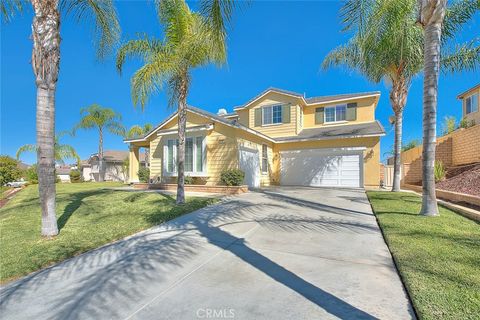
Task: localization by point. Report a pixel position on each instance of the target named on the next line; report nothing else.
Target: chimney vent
(222, 112)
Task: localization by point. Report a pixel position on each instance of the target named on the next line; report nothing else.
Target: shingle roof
(310, 100)
(63, 170)
(467, 91)
(340, 97)
(338, 131)
(116, 156)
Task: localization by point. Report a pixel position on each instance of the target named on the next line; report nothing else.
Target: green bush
(233, 177)
(439, 171)
(75, 176)
(188, 180)
(143, 174)
(464, 123)
(31, 174)
(9, 170)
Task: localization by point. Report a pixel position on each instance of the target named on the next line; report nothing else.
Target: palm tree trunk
(45, 64)
(398, 99)
(101, 167)
(430, 90)
(182, 126)
(397, 151)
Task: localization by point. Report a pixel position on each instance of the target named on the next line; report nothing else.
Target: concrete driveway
(283, 253)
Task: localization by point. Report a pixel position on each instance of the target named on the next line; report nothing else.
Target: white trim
(331, 138)
(264, 94)
(188, 130)
(341, 149)
(304, 100)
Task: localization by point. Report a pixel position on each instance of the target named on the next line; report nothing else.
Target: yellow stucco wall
(365, 112)
(473, 116)
(221, 149)
(371, 156)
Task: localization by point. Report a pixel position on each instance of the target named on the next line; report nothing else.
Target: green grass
(88, 217)
(438, 257)
(3, 191)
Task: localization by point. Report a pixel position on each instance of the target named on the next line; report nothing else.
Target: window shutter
(258, 117)
(319, 115)
(286, 113)
(351, 111)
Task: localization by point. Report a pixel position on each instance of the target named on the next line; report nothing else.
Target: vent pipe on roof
(222, 112)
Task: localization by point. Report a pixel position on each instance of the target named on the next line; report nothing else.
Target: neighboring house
(471, 104)
(114, 166)
(63, 173)
(278, 137)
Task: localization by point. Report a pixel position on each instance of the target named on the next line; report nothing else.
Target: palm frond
(10, 7)
(143, 48)
(463, 57)
(65, 151)
(26, 148)
(105, 21)
(116, 128)
(457, 15)
(134, 132)
(354, 15)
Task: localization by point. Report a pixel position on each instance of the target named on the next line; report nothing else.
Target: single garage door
(322, 168)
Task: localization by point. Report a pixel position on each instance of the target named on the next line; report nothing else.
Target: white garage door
(322, 168)
(250, 165)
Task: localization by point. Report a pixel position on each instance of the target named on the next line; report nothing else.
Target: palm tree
(387, 45)
(430, 17)
(45, 63)
(138, 131)
(192, 39)
(62, 151)
(97, 117)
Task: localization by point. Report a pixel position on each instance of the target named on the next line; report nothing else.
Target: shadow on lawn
(127, 273)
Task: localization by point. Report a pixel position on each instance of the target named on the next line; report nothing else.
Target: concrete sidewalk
(285, 253)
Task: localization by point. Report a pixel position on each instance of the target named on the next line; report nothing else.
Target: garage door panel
(316, 167)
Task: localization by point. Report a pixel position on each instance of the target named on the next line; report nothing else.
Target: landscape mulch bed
(467, 182)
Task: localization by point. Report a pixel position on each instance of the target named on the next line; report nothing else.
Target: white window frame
(335, 114)
(264, 168)
(194, 172)
(271, 107)
(473, 108)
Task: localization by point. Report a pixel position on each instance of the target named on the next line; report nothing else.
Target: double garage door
(322, 168)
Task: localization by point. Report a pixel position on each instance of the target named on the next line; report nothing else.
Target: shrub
(439, 171)
(233, 177)
(9, 170)
(143, 174)
(31, 174)
(464, 123)
(449, 125)
(188, 180)
(75, 176)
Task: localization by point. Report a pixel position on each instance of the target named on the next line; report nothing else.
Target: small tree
(449, 125)
(9, 170)
(75, 176)
(143, 174)
(31, 174)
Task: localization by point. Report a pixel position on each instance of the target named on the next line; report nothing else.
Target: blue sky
(280, 44)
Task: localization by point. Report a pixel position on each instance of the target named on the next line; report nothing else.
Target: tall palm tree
(192, 39)
(387, 45)
(138, 131)
(62, 151)
(97, 117)
(430, 16)
(45, 63)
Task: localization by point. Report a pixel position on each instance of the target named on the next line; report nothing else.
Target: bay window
(194, 155)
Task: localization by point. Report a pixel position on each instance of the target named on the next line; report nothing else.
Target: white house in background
(63, 173)
(114, 162)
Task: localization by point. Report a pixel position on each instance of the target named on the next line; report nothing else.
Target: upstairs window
(272, 115)
(471, 103)
(337, 113)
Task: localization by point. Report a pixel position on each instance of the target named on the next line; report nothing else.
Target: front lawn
(438, 257)
(88, 216)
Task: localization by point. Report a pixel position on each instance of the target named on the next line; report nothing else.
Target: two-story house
(471, 104)
(276, 138)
